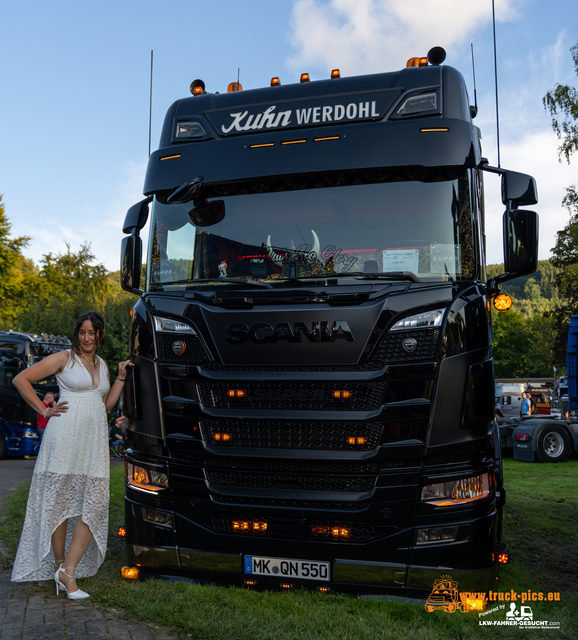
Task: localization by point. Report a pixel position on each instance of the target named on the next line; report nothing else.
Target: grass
(540, 528)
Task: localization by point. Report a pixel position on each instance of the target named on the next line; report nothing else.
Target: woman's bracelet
(120, 380)
(46, 411)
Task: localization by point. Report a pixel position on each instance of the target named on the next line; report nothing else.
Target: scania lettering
(312, 402)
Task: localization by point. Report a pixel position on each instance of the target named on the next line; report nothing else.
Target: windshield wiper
(389, 275)
(243, 281)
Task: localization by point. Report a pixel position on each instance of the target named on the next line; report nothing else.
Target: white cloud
(366, 36)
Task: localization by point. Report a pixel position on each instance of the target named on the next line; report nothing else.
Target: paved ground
(31, 611)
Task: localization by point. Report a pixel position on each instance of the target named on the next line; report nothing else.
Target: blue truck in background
(18, 433)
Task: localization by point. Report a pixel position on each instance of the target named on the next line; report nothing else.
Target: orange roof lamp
(435, 57)
(198, 87)
(234, 86)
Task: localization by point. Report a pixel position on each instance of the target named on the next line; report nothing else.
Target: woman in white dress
(65, 530)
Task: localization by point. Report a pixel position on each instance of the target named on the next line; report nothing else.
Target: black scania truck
(313, 397)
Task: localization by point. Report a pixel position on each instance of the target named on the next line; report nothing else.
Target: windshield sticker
(445, 258)
(401, 260)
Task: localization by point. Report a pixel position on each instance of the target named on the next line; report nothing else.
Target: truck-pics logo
(263, 332)
(446, 597)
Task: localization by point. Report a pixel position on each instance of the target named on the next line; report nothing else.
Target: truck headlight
(455, 492)
(28, 433)
(420, 320)
(145, 479)
(165, 325)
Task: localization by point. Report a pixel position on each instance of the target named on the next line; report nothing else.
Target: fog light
(436, 534)
(503, 558)
(130, 573)
(121, 533)
(286, 586)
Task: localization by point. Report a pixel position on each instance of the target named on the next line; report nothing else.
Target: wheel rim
(553, 444)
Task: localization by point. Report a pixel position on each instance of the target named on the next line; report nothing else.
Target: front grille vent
(194, 351)
(283, 465)
(391, 348)
(302, 396)
(317, 505)
(291, 481)
(328, 436)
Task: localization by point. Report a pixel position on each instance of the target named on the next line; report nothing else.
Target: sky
(75, 83)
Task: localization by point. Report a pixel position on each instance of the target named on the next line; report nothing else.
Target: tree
(563, 101)
(13, 268)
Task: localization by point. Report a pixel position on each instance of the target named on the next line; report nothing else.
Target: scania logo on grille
(409, 345)
(263, 332)
(179, 347)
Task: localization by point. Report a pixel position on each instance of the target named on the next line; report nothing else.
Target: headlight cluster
(456, 492)
(420, 320)
(145, 479)
(166, 325)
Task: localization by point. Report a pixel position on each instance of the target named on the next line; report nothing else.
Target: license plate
(286, 568)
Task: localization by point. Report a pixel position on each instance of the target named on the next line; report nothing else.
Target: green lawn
(540, 528)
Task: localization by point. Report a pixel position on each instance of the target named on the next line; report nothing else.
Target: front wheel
(553, 444)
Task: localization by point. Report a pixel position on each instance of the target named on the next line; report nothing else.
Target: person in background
(116, 435)
(526, 404)
(48, 401)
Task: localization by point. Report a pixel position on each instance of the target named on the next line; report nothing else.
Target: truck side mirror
(520, 246)
(136, 217)
(520, 241)
(130, 262)
(518, 188)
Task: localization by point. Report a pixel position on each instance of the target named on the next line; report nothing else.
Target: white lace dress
(71, 478)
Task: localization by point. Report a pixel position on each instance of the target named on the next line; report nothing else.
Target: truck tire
(553, 444)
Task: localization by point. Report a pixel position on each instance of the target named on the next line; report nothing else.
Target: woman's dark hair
(97, 324)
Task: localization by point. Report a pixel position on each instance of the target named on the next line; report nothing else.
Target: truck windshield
(414, 224)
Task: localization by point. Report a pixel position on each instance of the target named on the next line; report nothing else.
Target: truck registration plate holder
(286, 568)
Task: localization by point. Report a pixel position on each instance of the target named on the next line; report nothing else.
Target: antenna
(238, 75)
(475, 92)
(151, 104)
(496, 80)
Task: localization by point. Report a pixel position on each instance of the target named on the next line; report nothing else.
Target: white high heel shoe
(73, 595)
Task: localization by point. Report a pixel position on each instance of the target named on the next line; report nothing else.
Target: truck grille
(329, 436)
(293, 395)
(291, 481)
(318, 505)
(291, 466)
(391, 348)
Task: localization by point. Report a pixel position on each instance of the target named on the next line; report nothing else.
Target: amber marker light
(222, 437)
(131, 312)
(502, 302)
(435, 130)
(121, 533)
(503, 558)
(417, 62)
(234, 86)
(258, 146)
(304, 78)
(341, 394)
(335, 74)
(325, 139)
(275, 82)
(356, 440)
(178, 155)
(130, 573)
(236, 393)
(293, 142)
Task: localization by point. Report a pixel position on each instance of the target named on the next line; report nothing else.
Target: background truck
(312, 398)
(549, 438)
(18, 435)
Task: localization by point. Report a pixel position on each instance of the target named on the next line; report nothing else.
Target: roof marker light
(234, 86)
(275, 82)
(197, 87)
(335, 74)
(417, 62)
(304, 78)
